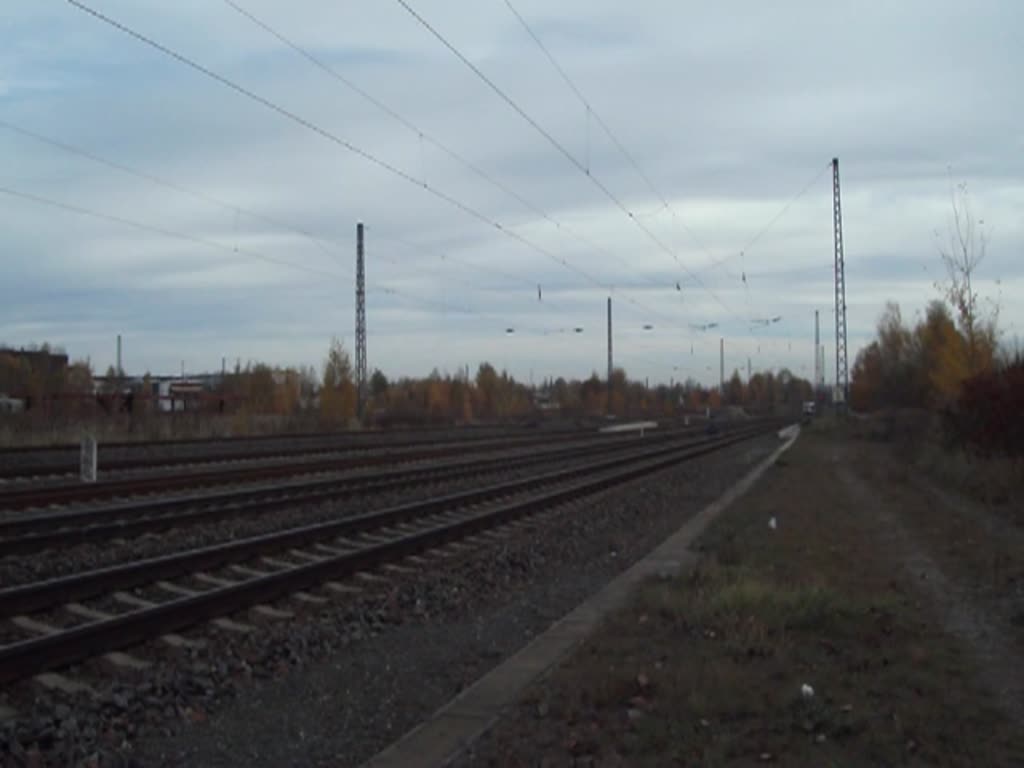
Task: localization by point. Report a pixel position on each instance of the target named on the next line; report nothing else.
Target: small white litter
(772, 524)
(807, 691)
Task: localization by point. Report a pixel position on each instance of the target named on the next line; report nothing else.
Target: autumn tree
(487, 384)
(308, 385)
(924, 366)
(437, 397)
(695, 399)
(943, 355)
(734, 389)
(338, 391)
(378, 383)
(866, 379)
(593, 394)
(617, 392)
(714, 399)
(78, 378)
(761, 392)
(962, 251)
(900, 374)
(638, 400)
(567, 395)
(287, 391)
(14, 375)
(460, 400)
(110, 380)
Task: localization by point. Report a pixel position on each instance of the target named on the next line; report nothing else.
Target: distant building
(545, 402)
(43, 360)
(169, 393)
(24, 371)
(11, 404)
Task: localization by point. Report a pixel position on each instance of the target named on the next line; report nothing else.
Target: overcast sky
(730, 110)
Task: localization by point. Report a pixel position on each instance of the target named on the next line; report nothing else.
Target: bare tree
(963, 250)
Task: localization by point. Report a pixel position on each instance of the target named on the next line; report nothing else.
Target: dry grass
(708, 669)
(917, 439)
(723, 684)
(22, 430)
(997, 480)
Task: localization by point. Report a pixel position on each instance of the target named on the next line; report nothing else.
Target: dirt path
(975, 622)
(895, 606)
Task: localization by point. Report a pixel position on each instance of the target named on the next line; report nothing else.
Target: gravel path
(344, 679)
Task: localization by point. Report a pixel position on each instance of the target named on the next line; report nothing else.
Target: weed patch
(798, 644)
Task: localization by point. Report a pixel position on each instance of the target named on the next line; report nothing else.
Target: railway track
(303, 558)
(404, 436)
(278, 447)
(41, 496)
(26, 534)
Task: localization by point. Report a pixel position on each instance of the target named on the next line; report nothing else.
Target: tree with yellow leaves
(943, 355)
(338, 391)
(962, 252)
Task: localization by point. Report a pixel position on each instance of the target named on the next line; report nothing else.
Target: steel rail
(41, 595)
(70, 466)
(63, 647)
(46, 495)
(426, 433)
(36, 532)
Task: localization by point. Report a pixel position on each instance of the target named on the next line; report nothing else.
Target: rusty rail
(29, 657)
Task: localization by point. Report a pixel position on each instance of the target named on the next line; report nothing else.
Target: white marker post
(89, 459)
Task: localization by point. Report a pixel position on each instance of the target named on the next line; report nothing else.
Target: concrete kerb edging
(454, 727)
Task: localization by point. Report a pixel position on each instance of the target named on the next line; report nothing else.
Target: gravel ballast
(347, 677)
(36, 460)
(17, 569)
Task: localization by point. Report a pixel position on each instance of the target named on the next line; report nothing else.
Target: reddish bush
(989, 414)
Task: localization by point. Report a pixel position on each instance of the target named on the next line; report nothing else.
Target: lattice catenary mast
(842, 371)
(819, 371)
(609, 404)
(360, 320)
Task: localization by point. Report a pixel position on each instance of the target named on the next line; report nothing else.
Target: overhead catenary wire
(640, 309)
(366, 155)
(156, 229)
(775, 219)
(202, 196)
(445, 304)
(154, 179)
(424, 136)
(560, 148)
(592, 114)
(546, 303)
(443, 256)
(383, 107)
(233, 207)
(157, 180)
(247, 253)
(742, 253)
(162, 182)
(335, 139)
(326, 134)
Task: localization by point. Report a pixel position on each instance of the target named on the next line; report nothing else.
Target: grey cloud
(729, 109)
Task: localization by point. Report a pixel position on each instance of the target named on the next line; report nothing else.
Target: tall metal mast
(818, 372)
(609, 405)
(360, 320)
(842, 370)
